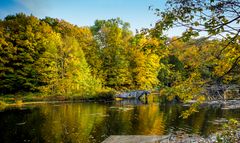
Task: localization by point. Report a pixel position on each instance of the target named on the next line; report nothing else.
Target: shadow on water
(21, 125)
(94, 122)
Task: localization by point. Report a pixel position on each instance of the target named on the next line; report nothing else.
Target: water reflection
(93, 122)
(21, 125)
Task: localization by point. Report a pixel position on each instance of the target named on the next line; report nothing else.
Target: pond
(94, 122)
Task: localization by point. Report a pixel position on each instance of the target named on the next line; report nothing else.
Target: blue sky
(85, 12)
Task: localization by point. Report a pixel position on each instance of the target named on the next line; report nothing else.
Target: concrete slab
(135, 139)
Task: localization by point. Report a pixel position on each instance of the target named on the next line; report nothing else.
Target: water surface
(94, 122)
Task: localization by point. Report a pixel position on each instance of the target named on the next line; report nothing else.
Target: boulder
(133, 94)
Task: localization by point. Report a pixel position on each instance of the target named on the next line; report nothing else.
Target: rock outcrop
(133, 94)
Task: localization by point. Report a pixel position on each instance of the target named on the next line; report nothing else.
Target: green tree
(74, 72)
(112, 38)
(24, 41)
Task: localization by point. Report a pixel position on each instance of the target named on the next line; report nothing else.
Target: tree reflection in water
(94, 122)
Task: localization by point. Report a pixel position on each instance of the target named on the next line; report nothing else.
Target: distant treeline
(55, 57)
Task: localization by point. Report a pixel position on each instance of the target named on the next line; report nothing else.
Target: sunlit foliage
(58, 58)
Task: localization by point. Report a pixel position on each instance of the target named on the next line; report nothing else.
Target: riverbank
(36, 98)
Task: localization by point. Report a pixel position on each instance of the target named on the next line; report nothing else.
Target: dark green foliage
(166, 77)
(112, 40)
(24, 39)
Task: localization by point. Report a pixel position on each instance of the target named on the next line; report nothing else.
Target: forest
(53, 56)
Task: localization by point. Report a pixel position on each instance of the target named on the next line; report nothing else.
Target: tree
(144, 61)
(218, 18)
(24, 41)
(74, 73)
(36, 57)
(112, 38)
(91, 50)
(73, 69)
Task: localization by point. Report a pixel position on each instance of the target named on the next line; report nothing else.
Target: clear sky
(85, 12)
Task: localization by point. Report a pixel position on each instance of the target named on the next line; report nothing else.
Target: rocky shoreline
(223, 104)
(178, 137)
(222, 92)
